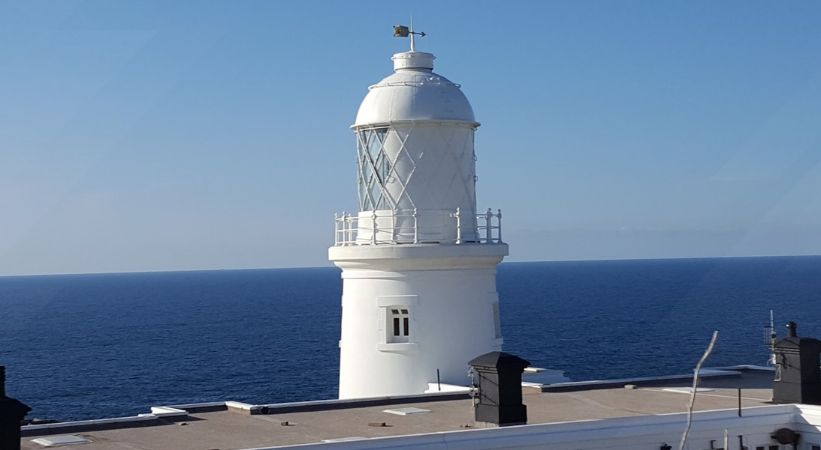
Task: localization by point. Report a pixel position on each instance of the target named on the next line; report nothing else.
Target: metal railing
(489, 233)
(417, 226)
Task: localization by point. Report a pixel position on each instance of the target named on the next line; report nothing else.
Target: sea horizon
(671, 258)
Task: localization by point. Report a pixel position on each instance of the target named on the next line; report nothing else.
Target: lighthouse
(418, 259)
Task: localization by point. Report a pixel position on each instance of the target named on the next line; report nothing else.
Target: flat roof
(238, 426)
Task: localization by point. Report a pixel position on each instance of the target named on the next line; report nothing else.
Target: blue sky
(206, 135)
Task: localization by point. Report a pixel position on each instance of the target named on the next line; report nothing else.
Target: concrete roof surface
(230, 429)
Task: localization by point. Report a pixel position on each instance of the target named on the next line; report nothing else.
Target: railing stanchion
(336, 229)
(415, 227)
(393, 226)
(373, 228)
(354, 224)
(499, 225)
(458, 225)
(344, 222)
(489, 226)
(348, 229)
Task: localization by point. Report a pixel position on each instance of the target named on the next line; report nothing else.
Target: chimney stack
(499, 377)
(797, 372)
(12, 413)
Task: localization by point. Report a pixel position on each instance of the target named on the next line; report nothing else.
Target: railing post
(415, 227)
(373, 227)
(348, 233)
(353, 227)
(336, 229)
(393, 226)
(458, 225)
(489, 226)
(344, 223)
(351, 230)
(499, 222)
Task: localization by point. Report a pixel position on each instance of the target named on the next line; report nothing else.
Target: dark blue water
(90, 346)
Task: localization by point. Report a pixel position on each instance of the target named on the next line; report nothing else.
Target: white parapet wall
(756, 426)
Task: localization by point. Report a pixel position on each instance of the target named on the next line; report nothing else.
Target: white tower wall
(454, 315)
(418, 267)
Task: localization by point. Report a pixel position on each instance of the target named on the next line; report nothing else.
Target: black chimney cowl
(792, 329)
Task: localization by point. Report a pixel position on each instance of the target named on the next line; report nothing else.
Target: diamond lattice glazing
(385, 169)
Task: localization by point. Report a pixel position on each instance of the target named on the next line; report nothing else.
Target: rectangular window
(395, 324)
(399, 319)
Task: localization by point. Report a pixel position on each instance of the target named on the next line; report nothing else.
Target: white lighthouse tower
(418, 261)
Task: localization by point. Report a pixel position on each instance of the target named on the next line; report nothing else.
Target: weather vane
(403, 31)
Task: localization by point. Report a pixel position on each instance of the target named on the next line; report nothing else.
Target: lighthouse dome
(414, 93)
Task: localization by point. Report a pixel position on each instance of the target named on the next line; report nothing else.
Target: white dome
(412, 93)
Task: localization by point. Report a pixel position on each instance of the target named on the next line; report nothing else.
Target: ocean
(93, 346)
